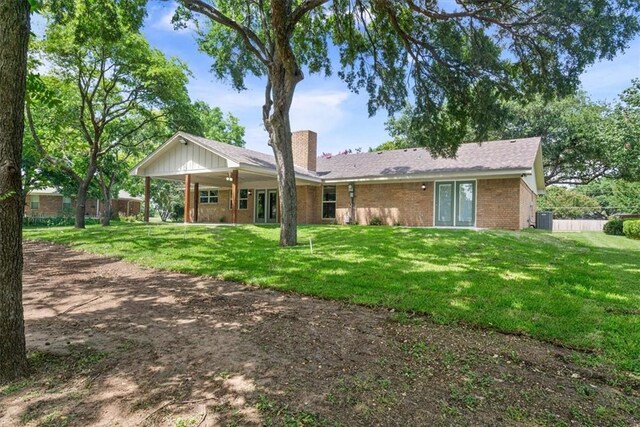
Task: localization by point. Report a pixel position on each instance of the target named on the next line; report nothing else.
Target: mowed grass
(580, 290)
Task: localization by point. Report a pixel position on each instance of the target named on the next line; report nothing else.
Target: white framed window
(329, 202)
(66, 204)
(243, 200)
(35, 202)
(209, 197)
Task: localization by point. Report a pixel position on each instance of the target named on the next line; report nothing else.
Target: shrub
(375, 220)
(614, 227)
(58, 221)
(132, 218)
(632, 229)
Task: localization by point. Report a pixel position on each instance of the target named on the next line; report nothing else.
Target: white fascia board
(433, 176)
(272, 172)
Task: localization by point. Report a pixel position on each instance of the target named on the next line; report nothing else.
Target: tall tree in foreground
(14, 36)
(456, 62)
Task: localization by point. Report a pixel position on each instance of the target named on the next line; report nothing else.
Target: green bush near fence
(57, 221)
(631, 229)
(614, 227)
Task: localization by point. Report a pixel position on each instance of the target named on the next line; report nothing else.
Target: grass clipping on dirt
(578, 290)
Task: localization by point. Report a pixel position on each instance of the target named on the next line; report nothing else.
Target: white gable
(178, 158)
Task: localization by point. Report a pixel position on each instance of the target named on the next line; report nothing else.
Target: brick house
(49, 203)
(488, 185)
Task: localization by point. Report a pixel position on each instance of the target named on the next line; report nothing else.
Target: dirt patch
(115, 344)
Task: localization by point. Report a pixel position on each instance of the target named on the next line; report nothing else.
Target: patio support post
(234, 196)
(196, 200)
(147, 196)
(187, 198)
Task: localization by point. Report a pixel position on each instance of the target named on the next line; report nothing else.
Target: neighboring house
(489, 185)
(48, 202)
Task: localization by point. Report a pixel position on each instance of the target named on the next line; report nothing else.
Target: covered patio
(222, 183)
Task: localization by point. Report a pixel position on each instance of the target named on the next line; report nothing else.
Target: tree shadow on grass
(247, 356)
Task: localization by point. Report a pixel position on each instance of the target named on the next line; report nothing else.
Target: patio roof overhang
(181, 156)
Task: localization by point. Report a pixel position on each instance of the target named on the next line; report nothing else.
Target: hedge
(632, 229)
(614, 227)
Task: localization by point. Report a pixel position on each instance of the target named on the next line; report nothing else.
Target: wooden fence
(578, 224)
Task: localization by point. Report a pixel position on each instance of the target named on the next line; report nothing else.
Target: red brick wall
(309, 204)
(50, 205)
(498, 203)
(501, 203)
(305, 147)
(397, 203)
(125, 207)
(214, 212)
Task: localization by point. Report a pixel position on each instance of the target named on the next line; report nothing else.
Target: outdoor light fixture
(423, 186)
(228, 178)
(248, 192)
(183, 141)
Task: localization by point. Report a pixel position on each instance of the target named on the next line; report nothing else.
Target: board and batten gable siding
(180, 158)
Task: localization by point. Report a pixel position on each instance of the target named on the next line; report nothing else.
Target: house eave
(503, 173)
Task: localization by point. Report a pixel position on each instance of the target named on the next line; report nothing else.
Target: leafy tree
(458, 61)
(575, 144)
(112, 83)
(625, 132)
(614, 195)
(14, 34)
(166, 197)
(218, 126)
(569, 203)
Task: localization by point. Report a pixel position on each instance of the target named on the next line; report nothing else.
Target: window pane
(444, 214)
(329, 194)
(35, 202)
(244, 194)
(465, 203)
(329, 210)
(213, 196)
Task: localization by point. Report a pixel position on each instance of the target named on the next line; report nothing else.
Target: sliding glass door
(455, 204)
(266, 206)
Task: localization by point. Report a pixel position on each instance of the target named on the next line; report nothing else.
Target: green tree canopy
(568, 203)
(219, 126)
(111, 82)
(614, 195)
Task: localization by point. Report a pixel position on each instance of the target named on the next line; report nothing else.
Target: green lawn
(581, 290)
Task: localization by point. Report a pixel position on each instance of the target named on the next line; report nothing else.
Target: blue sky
(325, 105)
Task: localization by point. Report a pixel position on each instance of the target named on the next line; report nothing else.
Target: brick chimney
(305, 149)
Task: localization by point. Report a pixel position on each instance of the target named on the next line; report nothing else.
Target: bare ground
(115, 344)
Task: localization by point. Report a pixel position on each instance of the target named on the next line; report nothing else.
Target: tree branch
(251, 40)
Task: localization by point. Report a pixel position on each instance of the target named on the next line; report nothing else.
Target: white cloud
(160, 19)
(319, 110)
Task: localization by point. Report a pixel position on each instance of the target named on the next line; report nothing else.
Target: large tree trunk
(83, 190)
(14, 36)
(281, 142)
(282, 83)
(81, 204)
(107, 210)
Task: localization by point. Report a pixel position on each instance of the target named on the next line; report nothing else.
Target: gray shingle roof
(244, 155)
(485, 156)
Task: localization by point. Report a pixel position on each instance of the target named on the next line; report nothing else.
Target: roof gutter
(432, 176)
